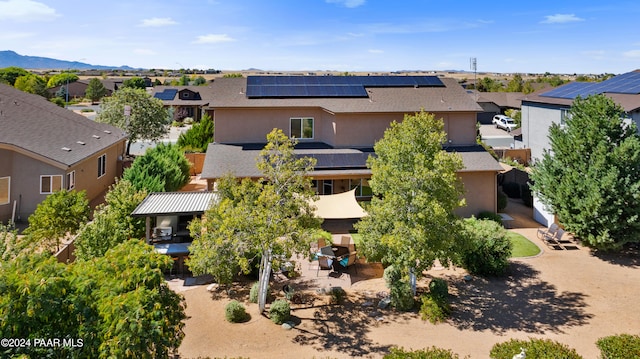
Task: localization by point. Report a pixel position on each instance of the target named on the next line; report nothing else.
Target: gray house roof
(159, 203)
(231, 93)
(170, 95)
(37, 127)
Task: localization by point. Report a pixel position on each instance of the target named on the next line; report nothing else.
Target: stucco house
(541, 109)
(189, 99)
(45, 148)
(337, 120)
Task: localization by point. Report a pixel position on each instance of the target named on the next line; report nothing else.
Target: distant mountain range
(10, 58)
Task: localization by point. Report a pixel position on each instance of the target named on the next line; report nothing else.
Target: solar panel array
(166, 95)
(330, 86)
(628, 83)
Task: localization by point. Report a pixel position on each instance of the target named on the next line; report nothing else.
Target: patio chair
(554, 241)
(546, 232)
(324, 263)
(346, 261)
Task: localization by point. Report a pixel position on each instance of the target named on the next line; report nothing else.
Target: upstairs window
(71, 180)
(102, 165)
(565, 114)
(5, 190)
(50, 183)
(301, 128)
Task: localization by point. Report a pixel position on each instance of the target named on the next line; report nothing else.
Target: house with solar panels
(45, 148)
(191, 100)
(540, 110)
(337, 120)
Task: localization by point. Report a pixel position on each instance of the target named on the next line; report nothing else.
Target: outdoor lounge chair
(546, 232)
(555, 240)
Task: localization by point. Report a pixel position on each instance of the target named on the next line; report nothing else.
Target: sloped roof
(204, 95)
(159, 203)
(501, 99)
(31, 124)
(231, 93)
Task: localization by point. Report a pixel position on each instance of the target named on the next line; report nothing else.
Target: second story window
(102, 165)
(71, 180)
(565, 114)
(301, 127)
(50, 183)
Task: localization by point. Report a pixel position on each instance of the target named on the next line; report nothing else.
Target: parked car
(504, 122)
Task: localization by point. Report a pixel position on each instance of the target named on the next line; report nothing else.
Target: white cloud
(376, 51)
(561, 19)
(347, 3)
(632, 54)
(213, 39)
(157, 22)
(26, 11)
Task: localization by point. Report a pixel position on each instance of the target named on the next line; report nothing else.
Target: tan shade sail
(338, 206)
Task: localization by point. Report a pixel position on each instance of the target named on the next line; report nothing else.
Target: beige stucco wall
(25, 172)
(337, 130)
(480, 193)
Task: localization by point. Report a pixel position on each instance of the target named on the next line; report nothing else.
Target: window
(302, 127)
(327, 187)
(5, 188)
(564, 116)
(362, 187)
(50, 183)
(71, 180)
(102, 165)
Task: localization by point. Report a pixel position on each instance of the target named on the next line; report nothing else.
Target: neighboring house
(187, 99)
(541, 109)
(496, 103)
(45, 148)
(77, 89)
(337, 120)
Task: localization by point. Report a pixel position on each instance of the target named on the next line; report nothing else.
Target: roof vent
(96, 137)
(80, 143)
(66, 149)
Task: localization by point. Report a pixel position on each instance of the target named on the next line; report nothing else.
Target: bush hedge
(534, 349)
(428, 353)
(619, 346)
(234, 312)
(488, 249)
(400, 289)
(280, 311)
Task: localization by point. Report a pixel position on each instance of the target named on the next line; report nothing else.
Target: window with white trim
(71, 180)
(5, 190)
(102, 165)
(50, 183)
(301, 127)
(565, 114)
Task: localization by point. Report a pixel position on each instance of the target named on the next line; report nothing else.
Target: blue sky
(341, 35)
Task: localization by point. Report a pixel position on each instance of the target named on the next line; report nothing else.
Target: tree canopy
(61, 213)
(147, 120)
(10, 74)
(590, 177)
(135, 83)
(95, 90)
(198, 137)
(163, 168)
(266, 219)
(411, 220)
(62, 79)
(32, 84)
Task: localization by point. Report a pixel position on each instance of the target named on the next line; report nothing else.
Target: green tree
(135, 83)
(199, 81)
(163, 168)
(148, 119)
(269, 219)
(9, 75)
(32, 84)
(112, 223)
(516, 84)
(62, 79)
(95, 90)
(184, 80)
(198, 137)
(411, 220)
(590, 177)
(59, 215)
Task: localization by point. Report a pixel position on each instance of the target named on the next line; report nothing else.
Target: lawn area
(522, 247)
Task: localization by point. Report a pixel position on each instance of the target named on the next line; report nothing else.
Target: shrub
(488, 249)
(234, 312)
(428, 353)
(400, 289)
(338, 295)
(163, 168)
(535, 348)
(253, 293)
(280, 311)
(433, 309)
(511, 189)
(619, 346)
(490, 216)
(439, 289)
(198, 137)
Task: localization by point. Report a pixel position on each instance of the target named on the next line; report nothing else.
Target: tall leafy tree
(32, 84)
(590, 177)
(59, 215)
(9, 75)
(135, 83)
(147, 119)
(62, 79)
(198, 137)
(267, 219)
(411, 220)
(95, 90)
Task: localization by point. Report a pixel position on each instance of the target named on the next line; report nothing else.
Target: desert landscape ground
(572, 296)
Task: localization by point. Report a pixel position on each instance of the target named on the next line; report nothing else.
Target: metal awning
(179, 203)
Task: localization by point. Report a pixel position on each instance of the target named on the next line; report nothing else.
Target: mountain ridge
(10, 58)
